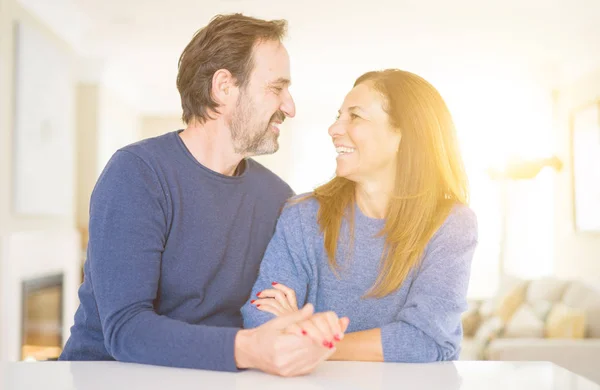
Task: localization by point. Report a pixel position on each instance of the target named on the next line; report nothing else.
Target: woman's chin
(344, 172)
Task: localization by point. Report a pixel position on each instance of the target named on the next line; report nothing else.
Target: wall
(9, 220)
(106, 122)
(118, 124)
(5, 93)
(306, 156)
(152, 126)
(33, 245)
(87, 153)
(280, 163)
(577, 254)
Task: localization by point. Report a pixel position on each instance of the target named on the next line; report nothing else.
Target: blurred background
(81, 78)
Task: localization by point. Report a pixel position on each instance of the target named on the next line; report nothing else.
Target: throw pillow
(510, 302)
(542, 309)
(565, 322)
(546, 289)
(507, 285)
(471, 321)
(488, 331)
(586, 297)
(524, 323)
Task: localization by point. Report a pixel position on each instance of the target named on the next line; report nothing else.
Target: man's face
(263, 103)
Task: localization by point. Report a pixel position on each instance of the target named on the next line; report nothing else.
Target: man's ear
(223, 84)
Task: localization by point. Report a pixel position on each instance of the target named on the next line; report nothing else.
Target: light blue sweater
(420, 322)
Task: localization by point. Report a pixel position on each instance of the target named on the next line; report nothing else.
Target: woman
(388, 243)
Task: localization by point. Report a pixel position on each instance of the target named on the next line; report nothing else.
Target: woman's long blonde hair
(430, 178)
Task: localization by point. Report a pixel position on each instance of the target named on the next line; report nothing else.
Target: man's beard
(252, 137)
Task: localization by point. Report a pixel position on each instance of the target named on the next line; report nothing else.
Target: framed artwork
(585, 140)
(43, 132)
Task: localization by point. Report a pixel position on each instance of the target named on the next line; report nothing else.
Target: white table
(330, 376)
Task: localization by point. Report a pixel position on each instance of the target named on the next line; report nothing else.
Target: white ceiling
(331, 42)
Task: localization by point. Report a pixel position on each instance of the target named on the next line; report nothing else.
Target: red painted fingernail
(304, 332)
(326, 343)
(337, 338)
(330, 345)
(274, 283)
(258, 305)
(258, 293)
(252, 301)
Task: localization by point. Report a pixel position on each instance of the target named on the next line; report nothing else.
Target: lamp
(516, 170)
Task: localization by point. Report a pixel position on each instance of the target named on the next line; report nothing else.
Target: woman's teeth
(344, 150)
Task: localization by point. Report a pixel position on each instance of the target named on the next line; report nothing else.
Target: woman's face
(366, 143)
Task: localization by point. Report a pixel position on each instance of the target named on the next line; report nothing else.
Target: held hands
(271, 349)
(324, 329)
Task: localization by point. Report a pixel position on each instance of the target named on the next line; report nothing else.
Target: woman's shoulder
(303, 204)
(300, 209)
(461, 223)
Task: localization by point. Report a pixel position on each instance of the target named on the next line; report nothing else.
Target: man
(179, 223)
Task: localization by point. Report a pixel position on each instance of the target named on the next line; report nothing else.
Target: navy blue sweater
(173, 253)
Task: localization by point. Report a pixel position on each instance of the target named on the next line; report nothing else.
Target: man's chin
(268, 143)
(266, 152)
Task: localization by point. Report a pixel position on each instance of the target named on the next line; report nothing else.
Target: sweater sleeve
(284, 262)
(428, 328)
(128, 232)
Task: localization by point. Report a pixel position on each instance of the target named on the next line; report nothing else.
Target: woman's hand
(325, 329)
(278, 300)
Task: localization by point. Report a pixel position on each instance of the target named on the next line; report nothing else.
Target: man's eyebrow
(283, 81)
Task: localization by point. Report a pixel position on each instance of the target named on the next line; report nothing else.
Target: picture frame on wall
(43, 132)
(585, 142)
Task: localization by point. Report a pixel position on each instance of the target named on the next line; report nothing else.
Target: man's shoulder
(146, 155)
(137, 161)
(147, 149)
(268, 180)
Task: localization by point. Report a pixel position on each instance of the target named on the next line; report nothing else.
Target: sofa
(546, 319)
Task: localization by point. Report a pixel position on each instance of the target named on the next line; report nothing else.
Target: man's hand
(325, 329)
(270, 349)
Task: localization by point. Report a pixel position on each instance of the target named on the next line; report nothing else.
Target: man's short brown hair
(227, 42)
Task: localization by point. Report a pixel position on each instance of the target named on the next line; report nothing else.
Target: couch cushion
(546, 289)
(525, 323)
(565, 322)
(489, 330)
(507, 289)
(542, 309)
(510, 302)
(582, 296)
(471, 319)
(468, 349)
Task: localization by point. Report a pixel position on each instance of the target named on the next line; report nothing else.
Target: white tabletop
(330, 376)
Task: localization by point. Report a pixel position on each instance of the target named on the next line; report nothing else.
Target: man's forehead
(271, 62)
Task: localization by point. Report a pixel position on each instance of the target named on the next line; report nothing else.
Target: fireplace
(39, 278)
(42, 317)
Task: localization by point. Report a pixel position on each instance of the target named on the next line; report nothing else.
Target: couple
(185, 228)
